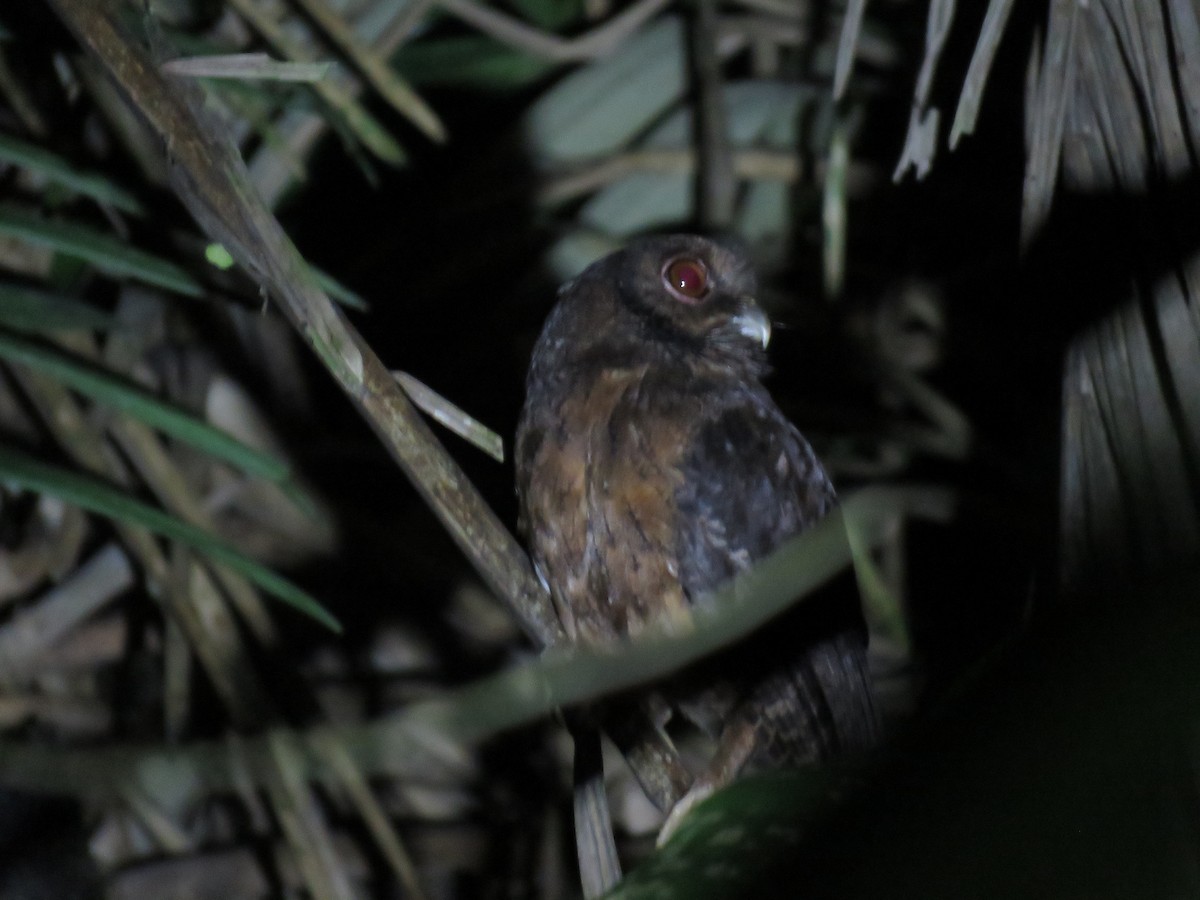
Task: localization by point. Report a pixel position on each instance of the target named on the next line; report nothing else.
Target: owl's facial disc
(751, 322)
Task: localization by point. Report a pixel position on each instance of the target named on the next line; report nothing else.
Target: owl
(653, 466)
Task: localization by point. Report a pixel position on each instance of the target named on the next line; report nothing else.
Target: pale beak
(753, 323)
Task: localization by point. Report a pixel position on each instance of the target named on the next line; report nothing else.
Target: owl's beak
(753, 323)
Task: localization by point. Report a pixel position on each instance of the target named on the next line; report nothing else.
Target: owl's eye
(686, 278)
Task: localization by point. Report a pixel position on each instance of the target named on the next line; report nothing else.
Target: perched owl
(653, 466)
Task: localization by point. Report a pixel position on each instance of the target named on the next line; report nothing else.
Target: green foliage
(740, 841)
(469, 61)
(552, 15)
(129, 398)
(22, 472)
(59, 171)
(30, 309)
(111, 255)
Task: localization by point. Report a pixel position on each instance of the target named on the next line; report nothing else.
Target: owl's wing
(750, 482)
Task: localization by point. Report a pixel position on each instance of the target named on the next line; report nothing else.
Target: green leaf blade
(29, 474)
(28, 309)
(107, 253)
(60, 171)
(119, 394)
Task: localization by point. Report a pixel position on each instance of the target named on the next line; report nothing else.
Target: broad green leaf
(469, 61)
(29, 309)
(601, 107)
(54, 167)
(21, 471)
(109, 254)
(757, 112)
(120, 394)
(550, 15)
(737, 842)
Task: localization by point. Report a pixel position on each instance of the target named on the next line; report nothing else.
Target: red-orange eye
(686, 278)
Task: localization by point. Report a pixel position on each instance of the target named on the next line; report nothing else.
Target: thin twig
(374, 67)
(920, 143)
(599, 867)
(32, 631)
(336, 95)
(847, 46)
(977, 73)
(354, 781)
(787, 9)
(751, 165)
(403, 26)
(1052, 76)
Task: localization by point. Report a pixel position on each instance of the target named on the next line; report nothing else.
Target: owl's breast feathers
(601, 513)
(654, 486)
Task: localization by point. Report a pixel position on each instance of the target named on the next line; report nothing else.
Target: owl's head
(672, 299)
(693, 291)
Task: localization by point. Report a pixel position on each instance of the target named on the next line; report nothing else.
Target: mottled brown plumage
(653, 465)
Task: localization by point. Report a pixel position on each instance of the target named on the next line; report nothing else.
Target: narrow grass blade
(19, 470)
(119, 394)
(54, 167)
(28, 309)
(446, 413)
(338, 292)
(473, 61)
(246, 66)
(107, 253)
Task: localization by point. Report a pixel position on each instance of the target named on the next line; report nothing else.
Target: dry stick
(981, 64)
(847, 45)
(334, 753)
(59, 611)
(1052, 79)
(716, 186)
(785, 9)
(165, 480)
(402, 27)
(213, 184)
(920, 143)
(599, 867)
(210, 178)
